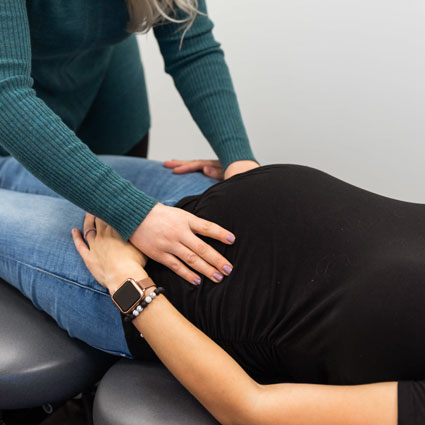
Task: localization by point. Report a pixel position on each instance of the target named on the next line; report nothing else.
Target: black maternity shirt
(341, 273)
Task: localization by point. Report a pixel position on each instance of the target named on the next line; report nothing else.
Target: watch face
(126, 296)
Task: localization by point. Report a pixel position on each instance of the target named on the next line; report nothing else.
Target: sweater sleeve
(42, 143)
(203, 79)
(411, 403)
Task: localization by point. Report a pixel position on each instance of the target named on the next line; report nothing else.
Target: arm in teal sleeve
(43, 144)
(202, 77)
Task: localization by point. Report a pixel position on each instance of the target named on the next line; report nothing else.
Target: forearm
(307, 404)
(211, 375)
(205, 369)
(207, 89)
(42, 143)
(38, 138)
(203, 79)
(222, 386)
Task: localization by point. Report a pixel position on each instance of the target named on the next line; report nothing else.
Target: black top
(341, 274)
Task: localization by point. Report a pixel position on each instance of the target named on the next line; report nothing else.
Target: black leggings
(342, 272)
(141, 149)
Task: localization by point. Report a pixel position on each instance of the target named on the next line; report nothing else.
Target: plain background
(334, 84)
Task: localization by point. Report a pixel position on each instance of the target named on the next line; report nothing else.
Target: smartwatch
(130, 294)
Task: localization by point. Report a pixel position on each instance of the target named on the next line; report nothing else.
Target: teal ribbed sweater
(72, 86)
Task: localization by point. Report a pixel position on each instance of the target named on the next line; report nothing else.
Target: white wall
(335, 84)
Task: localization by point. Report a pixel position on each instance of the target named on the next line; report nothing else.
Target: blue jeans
(38, 257)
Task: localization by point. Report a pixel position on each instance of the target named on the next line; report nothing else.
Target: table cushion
(39, 362)
(145, 393)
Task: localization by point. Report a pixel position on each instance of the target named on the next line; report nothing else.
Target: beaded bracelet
(144, 304)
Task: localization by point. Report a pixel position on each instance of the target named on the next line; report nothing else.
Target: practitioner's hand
(168, 236)
(238, 167)
(210, 167)
(109, 259)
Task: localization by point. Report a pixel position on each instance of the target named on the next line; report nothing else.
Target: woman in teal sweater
(72, 86)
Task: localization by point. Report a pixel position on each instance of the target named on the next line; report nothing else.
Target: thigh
(149, 176)
(157, 181)
(13, 176)
(38, 257)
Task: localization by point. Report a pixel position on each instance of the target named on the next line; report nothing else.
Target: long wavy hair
(145, 14)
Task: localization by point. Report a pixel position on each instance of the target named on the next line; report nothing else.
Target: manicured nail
(197, 281)
(227, 269)
(218, 276)
(230, 238)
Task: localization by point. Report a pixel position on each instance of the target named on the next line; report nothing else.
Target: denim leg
(38, 257)
(157, 181)
(147, 175)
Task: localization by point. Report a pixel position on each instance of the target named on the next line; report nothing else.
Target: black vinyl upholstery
(39, 362)
(144, 393)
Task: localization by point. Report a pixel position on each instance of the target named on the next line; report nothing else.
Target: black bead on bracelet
(148, 299)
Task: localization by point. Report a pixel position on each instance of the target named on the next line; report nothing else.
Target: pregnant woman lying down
(321, 322)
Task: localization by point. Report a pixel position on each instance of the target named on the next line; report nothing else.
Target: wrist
(136, 235)
(238, 167)
(116, 279)
(133, 306)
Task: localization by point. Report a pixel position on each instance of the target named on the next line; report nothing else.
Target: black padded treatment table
(40, 364)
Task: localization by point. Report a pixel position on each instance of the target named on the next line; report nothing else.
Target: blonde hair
(145, 14)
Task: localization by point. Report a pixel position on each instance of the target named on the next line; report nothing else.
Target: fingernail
(218, 276)
(197, 281)
(227, 269)
(230, 238)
